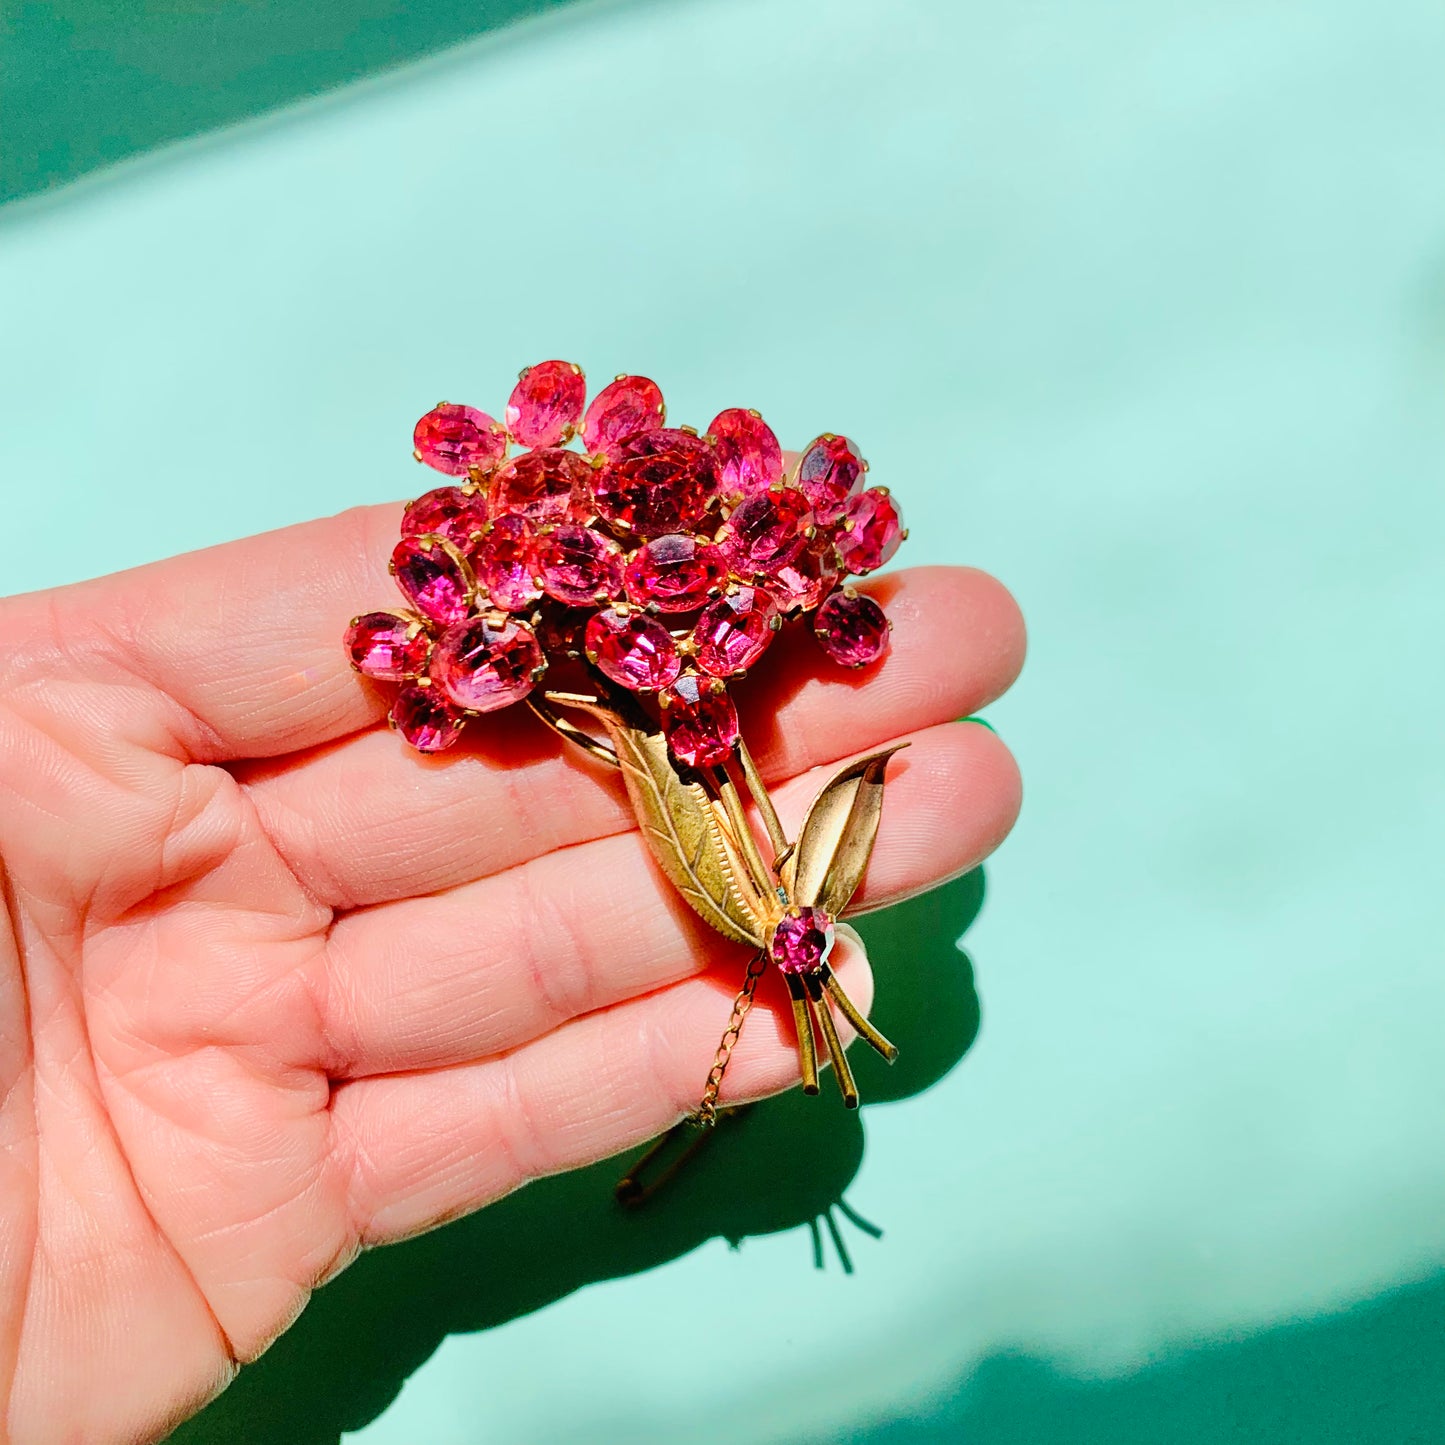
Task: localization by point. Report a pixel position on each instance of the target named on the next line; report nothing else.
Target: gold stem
(836, 1057)
(861, 1026)
(807, 1048)
(745, 839)
(571, 731)
(766, 811)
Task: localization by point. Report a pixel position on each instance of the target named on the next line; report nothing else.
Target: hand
(276, 988)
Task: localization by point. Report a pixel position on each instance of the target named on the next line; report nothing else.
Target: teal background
(1139, 305)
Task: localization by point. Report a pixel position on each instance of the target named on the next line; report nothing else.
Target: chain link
(707, 1110)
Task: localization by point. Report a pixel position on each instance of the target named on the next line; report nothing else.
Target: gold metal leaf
(682, 827)
(836, 839)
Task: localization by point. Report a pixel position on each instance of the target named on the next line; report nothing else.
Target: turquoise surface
(1140, 306)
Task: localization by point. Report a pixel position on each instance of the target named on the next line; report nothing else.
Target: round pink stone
(851, 628)
(829, 472)
(623, 407)
(870, 532)
(658, 481)
(766, 531)
(733, 632)
(578, 565)
(425, 718)
(675, 572)
(458, 440)
(549, 485)
(632, 649)
(433, 577)
(505, 563)
(484, 664)
(450, 512)
(387, 647)
(800, 585)
(749, 458)
(700, 721)
(802, 940)
(545, 404)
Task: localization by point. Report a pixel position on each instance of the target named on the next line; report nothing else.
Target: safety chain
(706, 1115)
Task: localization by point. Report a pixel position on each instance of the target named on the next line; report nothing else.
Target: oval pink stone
(433, 577)
(545, 404)
(458, 440)
(549, 485)
(802, 940)
(830, 471)
(425, 718)
(700, 721)
(800, 585)
(871, 531)
(658, 481)
(749, 458)
(675, 572)
(632, 649)
(450, 512)
(622, 408)
(851, 628)
(387, 647)
(733, 632)
(482, 665)
(766, 531)
(578, 565)
(505, 563)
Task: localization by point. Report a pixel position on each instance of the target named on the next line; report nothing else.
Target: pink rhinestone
(675, 572)
(851, 628)
(800, 585)
(749, 458)
(546, 403)
(483, 664)
(632, 649)
(700, 721)
(870, 532)
(450, 512)
(766, 531)
(578, 565)
(433, 577)
(549, 485)
(387, 647)
(425, 718)
(505, 561)
(658, 481)
(628, 405)
(830, 472)
(802, 940)
(733, 632)
(458, 440)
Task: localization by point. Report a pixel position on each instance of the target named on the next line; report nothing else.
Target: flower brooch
(632, 582)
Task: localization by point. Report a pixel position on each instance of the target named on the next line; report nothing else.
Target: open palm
(275, 988)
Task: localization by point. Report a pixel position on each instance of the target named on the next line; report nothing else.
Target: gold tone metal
(571, 732)
(677, 820)
(742, 832)
(836, 1056)
(766, 811)
(861, 1026)
(837, 836)
(803, 1023)
(707, 1110)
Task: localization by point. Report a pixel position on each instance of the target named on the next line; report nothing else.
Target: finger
(491, 965)
(245, 638)
(419, 1148)
(367, 820)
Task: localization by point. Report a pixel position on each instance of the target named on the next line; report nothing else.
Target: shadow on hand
(783, 1164)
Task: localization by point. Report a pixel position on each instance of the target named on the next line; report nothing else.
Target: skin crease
(249, 1024)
